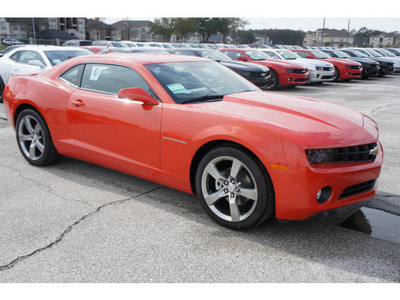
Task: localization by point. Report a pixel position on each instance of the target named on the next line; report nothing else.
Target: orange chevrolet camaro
(194, 125)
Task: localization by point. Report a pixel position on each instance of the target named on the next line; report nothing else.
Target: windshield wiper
(203, 98)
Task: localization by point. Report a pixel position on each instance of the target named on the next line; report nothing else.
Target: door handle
(78, 103)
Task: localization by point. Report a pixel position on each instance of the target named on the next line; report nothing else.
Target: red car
(194, 125)
(283, 74)
(345, 69)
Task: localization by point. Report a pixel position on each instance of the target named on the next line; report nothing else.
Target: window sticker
(176, 88)
(94, 75)
(56, 61)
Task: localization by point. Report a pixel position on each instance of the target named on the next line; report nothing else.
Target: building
(331, 37)
(135, 31)
(385, 40)
(74, 26)
(97, 30)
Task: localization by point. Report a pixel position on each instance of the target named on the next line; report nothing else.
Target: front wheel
(236, 190)
(274, 81)
(34, 139)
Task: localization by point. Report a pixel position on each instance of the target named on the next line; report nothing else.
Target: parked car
(283, 74)
(386, 65)
(96, 49)
(33, 59)
(255, 73)
(319, 71)
(344, 69)
(194, 125)
(369, 67)
(109, 44)
(388, 54)
(9, 48)
(161, 45)
(11, 41)
(77, 43)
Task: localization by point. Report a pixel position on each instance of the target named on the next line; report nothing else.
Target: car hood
(317, 63)
(363, 60)
(244, 66)
(342, 60)
(284, 112)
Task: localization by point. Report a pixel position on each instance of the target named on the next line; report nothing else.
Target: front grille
(327, 68)
(357, 189)
(353, 154)
(301, 80)
(355, 67)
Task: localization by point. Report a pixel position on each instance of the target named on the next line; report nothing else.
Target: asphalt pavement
(78, 222)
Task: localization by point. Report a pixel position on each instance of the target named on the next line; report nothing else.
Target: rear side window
(111, 79)
(25, 56)
(73, 75)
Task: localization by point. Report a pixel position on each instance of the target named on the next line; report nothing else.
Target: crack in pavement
(49, 189)
(70, 227)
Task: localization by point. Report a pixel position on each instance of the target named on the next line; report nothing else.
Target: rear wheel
(34, 139)
(235, 189)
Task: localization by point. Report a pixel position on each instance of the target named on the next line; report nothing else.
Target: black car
(257, 74)
(394, 51)
(370, 67)
(386, 66)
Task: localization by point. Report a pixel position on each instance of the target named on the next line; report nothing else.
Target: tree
(164, 27)
(228, 25)
(246, 36)
(184, 26)
(206, 27)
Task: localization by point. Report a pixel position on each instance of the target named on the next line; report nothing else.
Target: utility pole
(34, 31)
(323, 29)
(347, 38)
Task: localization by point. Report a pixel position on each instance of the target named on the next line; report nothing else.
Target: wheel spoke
(32, 150)
(24, 138)
(40, 146)
(234, 209)
(37, 128)
(214, 197)
(28, 124)
(236, 166)
(212, 170)
(249, 193)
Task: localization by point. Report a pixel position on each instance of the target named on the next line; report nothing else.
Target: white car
(11, 41)
(319, 71)
(33, 59)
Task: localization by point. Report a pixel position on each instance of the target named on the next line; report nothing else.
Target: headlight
(349, 67)
(317, 156)
(319, 68)
(290, 70)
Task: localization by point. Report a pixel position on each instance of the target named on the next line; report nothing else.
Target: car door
(120, 132)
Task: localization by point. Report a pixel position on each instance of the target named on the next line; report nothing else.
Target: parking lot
(77, 222)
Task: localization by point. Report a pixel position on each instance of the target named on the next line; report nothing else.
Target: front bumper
(346, 74)
(321, 76)
(293, 79)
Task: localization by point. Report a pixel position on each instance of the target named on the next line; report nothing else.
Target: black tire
(274, 81)
(2, 86)
(336, 77)
(235, 189)
(34, 139)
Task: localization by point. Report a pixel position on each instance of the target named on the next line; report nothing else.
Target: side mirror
(137, 94)
(36, 63)
(241, 58)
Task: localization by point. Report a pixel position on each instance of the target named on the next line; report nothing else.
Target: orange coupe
(194, 125)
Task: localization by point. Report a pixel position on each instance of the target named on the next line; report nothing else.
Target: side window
(111, 79)
(272, 54)
(15, 56)
(233, 54)
(26, 56)
(302, 54)
(73, 75)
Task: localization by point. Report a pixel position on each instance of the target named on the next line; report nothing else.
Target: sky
(280, 14)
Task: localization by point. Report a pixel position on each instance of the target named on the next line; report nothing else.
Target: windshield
(214, 55)
(288, 54)
(340, 54)
(386, 52)
(257, 55)
(373, 53)
(358, 53)
(198, 81)
(57, 56)
(320, 54)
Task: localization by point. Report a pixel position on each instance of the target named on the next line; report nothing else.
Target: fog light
(324, 194)
(348, 74)
(290, 79)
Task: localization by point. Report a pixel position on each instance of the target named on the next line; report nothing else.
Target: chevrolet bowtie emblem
(374, 151)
